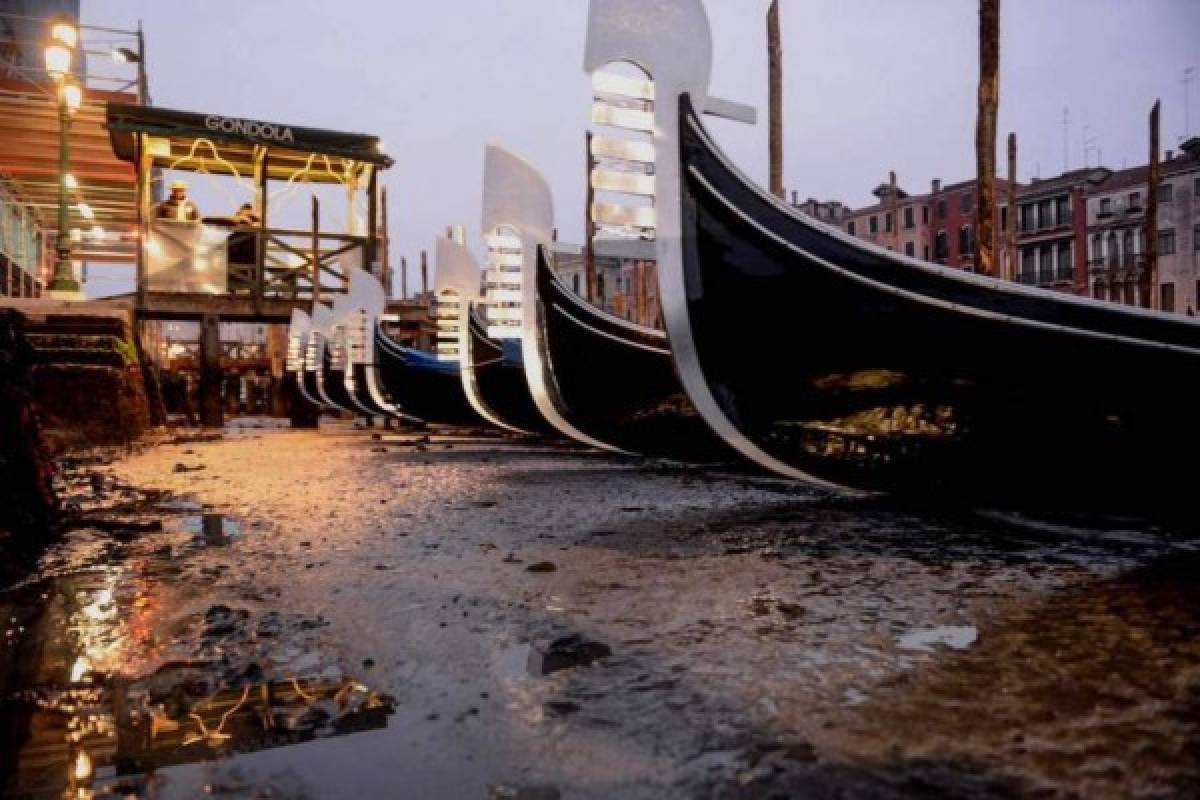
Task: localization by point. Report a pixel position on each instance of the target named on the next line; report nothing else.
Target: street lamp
(64, 38)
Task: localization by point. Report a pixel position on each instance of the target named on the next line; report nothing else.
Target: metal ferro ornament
(367, 303)
(298, 331)
(671, 41)
(343, 345)
(314, 359)
(458, 275)
(516, 196)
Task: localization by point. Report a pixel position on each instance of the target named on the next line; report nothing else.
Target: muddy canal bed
(276, 613)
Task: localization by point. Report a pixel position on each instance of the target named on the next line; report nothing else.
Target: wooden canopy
(223, 145)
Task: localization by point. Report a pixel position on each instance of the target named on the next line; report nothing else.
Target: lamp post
(64, 38)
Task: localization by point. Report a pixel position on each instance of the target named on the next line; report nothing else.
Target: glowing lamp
(72, 95)
(70, 182)
(85, 211)
(64, 30)
(58, 60)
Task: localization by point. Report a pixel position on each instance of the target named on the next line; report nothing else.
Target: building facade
(901, 225)
(952, 223)
(1116, 209)
(1052, 250)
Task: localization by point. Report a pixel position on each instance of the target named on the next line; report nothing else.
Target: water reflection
(76, 723)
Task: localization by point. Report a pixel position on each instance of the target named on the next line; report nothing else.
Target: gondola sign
(249, 127)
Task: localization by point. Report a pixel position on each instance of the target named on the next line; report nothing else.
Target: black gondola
(614, 380)
(857, 366)
(421, 385)
(498, 372)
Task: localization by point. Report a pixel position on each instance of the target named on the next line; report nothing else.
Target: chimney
(937, 185)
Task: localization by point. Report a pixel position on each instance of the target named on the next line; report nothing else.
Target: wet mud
(335, 614)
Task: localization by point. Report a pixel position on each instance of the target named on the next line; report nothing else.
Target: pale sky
(870, 85)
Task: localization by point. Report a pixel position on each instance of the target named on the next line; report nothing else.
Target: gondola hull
(856, 366)
(421, 386)
(499, 379)
(615, 380)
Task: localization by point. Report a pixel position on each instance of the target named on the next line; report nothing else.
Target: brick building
(952, 223)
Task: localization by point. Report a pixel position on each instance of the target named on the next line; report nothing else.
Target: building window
(1046, 214)
(926, 251)
(909, 249)
(1097, 248)
(1004, 218)
(925, 211)
(1062, 210)
(1028, 264)
(1028, 218)
(850, 227)
(1046, 264)
(1129, 294)
(1064, 261)
(909, 220)
(887, 222)
(1105, 207)
(600, 287)
(1166, 192)
(1135, 201)
(1166, 242)
(873, 224)
(941, 246)
(966, 203)
(1167, 297)
(1196, 238)
(941, 209)
(1098, 291)
(964, 241)
(1114, 254)
(575, 282)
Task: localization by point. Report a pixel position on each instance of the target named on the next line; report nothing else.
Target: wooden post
(386, 260)
(985, 134)
(589, 226)
(894, 206)
(1150, 233)
(212, 413)
(775, 97)
(372, 248)
(260, 252)
(640, 289)
(316, 251)
(1011, 232)
(403, 278)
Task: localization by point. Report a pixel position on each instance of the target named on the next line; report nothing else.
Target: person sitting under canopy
(178, 206)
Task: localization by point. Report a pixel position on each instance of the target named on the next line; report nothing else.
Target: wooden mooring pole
(316, 251)
(1150, 232)
(403, 278)
(212, 412)
(985, 135)
(424, 273)
(589, 225)
(775, 97)
(1010, 233)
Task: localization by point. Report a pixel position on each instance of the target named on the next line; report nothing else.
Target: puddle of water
(77, 720)
(209, 529)
(956, 637)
